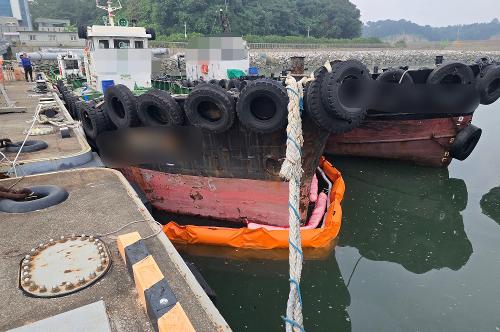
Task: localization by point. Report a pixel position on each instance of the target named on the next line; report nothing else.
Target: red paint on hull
(424, 142)
(239, 200)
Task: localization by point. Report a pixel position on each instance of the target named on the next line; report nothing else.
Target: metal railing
(281, 46)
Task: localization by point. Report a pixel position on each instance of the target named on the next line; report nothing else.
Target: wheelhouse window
(71, 64)
(32, 37)
(52, 37)
(139, 44)
(122, 43)
(104, 43)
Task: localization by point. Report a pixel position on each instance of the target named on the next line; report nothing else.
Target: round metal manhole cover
(64, 265)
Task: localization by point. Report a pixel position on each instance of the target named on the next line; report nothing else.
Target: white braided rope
(291, 170)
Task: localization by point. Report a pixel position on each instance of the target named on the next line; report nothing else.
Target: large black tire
(315, 109)
(29, 146)
(159, 108)
(48, 196)
(210, 107)
(234, 83)
(121, 106)
(94, 121)
(448, 76)
(393, 75)
(151, 31)
(71, 104)
(82, 32)
(488, 84)
(465, 142)
(344, 92)
(262, 106)
(224, 84)
(451, 73)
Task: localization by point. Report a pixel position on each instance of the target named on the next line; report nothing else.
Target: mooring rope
(291, 170)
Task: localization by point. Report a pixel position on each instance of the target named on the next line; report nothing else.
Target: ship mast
(110, 9)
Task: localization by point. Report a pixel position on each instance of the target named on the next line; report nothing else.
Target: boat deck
(62, 153)
(100, 201)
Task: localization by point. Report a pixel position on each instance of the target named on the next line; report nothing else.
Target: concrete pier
(100, 201)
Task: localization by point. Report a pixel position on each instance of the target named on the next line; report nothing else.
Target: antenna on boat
(110, 9)
(224, 21)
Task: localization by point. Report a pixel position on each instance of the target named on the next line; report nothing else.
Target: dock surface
(100, 201)
(71, 151)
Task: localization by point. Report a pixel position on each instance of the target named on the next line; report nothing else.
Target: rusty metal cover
(64, 265)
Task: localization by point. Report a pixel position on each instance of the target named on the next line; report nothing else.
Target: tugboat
(235, 139)
(423, 116)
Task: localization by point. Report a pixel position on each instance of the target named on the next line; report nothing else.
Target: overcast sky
(432, 12)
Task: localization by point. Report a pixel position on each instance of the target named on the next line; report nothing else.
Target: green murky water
(419, 250)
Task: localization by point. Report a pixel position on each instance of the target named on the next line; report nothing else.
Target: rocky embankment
(272, 61)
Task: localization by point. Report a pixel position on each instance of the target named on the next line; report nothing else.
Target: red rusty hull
(423, 141)
(239, 200)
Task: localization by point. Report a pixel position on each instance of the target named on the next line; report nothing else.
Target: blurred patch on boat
(136, 146)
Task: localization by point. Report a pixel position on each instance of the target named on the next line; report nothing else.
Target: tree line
(320, 18)
(390, 28)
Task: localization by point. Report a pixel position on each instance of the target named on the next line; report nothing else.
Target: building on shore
(18, 9)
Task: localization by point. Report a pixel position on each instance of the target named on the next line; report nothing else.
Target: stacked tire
(337, 99)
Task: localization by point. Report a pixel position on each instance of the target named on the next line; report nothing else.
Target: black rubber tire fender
(82, 32)
(214, 81)
(224, 84)
(451, 72)
(94, 121)
(394, 75)
(49, 196)
(159, 108)
(71, 105)
(263, 95)
(465, 142)
(205, 101)
(152, 32)
(234, 83)
(314, 107)
(29, 146)
(243, 84)
(121, 106)
(343, 92)
(488, 85)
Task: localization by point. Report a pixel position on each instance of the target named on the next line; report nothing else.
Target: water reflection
(252, 293)
(490, 204)
(403, 214)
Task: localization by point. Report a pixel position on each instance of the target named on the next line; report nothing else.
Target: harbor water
(418, 251)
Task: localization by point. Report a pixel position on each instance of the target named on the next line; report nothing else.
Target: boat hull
(422, 141)
(236, 177)
(238, 200)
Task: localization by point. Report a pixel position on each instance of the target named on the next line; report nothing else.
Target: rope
(58, 120)
(291, 170)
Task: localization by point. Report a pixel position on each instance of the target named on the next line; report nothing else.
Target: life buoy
(204, 69)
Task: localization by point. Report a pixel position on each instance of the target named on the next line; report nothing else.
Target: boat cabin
(70, 65)
(211, 57)
(117, 55)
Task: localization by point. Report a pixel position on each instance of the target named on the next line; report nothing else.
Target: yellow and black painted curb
(155, 295)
